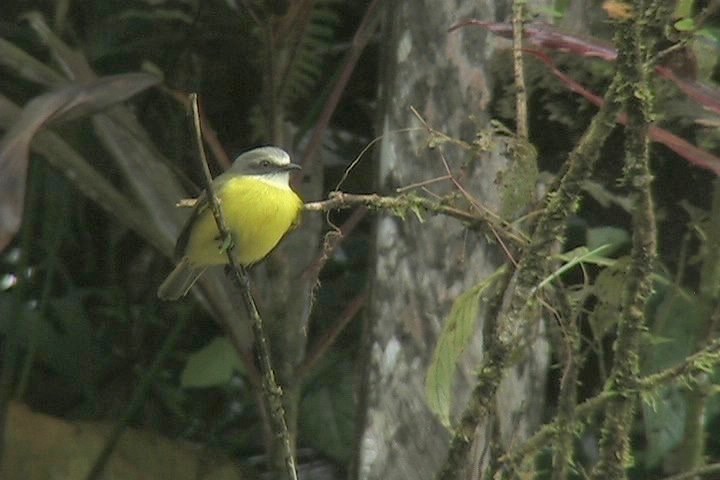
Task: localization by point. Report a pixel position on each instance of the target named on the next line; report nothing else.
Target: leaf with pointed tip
(457, 332)
(65, 103)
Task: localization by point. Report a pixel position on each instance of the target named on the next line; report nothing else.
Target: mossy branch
(515, 314)
(569, 353)
(405, 204)
(633, 65)
(700, 362)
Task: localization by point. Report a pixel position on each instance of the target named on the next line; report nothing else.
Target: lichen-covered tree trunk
(422, 265)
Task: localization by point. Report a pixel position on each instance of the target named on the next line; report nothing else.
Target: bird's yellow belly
(257, 214)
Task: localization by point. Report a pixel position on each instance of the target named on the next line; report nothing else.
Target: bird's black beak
(292, 166)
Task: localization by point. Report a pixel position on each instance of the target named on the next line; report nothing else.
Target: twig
(402, 204)
(272, 392)
(333, 239)
(512, 318)
(359, 42)
(562, 459)
(318, 351)
(521, 119)
(702, 471)
(698, 363)
(208, 132)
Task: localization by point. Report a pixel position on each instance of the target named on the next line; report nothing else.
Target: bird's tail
(179, 281)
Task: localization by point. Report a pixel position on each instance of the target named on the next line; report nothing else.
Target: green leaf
(308, 57)
(327, 412)
(685, 25)
(456, 334)
(664, 421)
(676, 304)
(671, 341)
(613, 237)
(684, 9)
(710, 33)
(211, 366)
(551, 12)
(606, 198)
(575, 257)
(608, 288)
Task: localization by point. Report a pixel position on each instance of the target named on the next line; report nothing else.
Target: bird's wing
(184, 236)
(201, 205)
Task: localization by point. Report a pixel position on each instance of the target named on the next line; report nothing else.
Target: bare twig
(208, 132)
(324, 344)
(333, 239)
(359, 42)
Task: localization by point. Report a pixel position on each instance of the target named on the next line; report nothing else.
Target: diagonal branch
(272, 394)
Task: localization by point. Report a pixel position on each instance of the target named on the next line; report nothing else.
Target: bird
(259, 208)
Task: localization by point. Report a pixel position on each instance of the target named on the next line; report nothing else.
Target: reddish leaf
(546, 36)
(685, 149)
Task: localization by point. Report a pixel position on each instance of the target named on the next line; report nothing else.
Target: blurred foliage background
(84, 336)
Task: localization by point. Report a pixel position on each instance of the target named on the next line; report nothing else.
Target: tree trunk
(421, 266)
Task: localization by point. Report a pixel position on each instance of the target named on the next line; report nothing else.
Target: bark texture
(422, 266)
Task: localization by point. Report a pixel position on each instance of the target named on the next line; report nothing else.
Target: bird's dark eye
(265, 163)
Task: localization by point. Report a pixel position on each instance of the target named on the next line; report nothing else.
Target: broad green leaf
(613, 237)
(685, 25)
(684, 9)
(608, 288)
(327, 412)
(677, 324)
(211, 366)
(457, 331)
(664, 421)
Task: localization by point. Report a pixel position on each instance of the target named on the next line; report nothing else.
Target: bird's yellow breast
(257, 213)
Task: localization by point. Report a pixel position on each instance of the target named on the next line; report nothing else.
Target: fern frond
(302, 58)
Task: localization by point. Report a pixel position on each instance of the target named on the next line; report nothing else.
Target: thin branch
(521, 119)
(402, 204)
(208, 132)
(702, 471)
(562, 459)
(323, 345)
(512, 318)
(333, 239)
(699, 363)
(702, 361)
(359, 42)
(272, 392)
